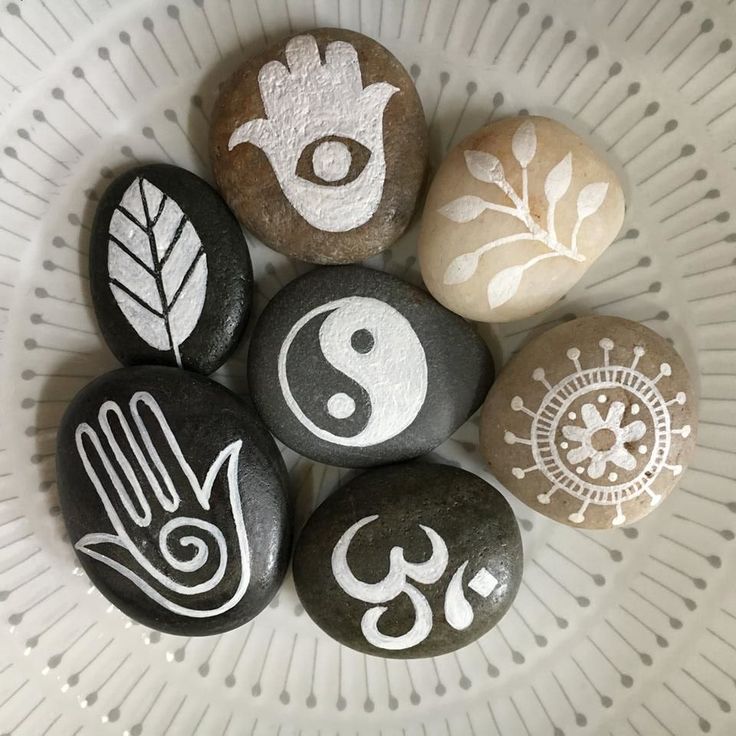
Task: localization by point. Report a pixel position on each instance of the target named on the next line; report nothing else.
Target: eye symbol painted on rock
(332, 161)
(458, 611)
(374, 348)
(325, 107)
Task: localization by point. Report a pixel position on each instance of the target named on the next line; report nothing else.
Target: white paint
(331, 160)
(341, 406)
(487, 168)
(156, 267)
(391, 586)
(458, 612)
(483, 583)
(150, 575)
(581, 473)
(308, 101)
(617, 454)
(393, 372)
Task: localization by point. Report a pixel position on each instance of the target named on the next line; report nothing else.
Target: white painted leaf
(504, 285)
(461, 268)
(524, 143)
(463, 209)
(591, 198)
(484, 167)
(558, 180)
(156, 266)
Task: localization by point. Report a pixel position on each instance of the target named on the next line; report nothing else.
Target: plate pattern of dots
(627, 632)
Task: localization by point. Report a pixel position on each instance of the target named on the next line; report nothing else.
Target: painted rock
(354, 367)
(178, 510)
(591, 423)
(517, 213)
(319, 145)
(411, 560)
(169, 270)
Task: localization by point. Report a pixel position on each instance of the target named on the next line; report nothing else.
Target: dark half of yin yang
(355, 367)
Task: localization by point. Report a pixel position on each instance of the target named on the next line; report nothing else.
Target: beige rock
(319, 145)
(592, 423)
(517, 213)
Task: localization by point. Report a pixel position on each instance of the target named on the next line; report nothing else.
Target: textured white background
(627, 632)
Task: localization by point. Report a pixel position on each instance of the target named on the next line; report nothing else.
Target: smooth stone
(158, 471)
(490, 254)
(592, 422)
(170, 272)
(319, 145)
(412, 560)
(355, 367)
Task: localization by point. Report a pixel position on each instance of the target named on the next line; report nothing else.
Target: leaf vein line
(135, 297)
(186, 278)
(132, 255)
(132, 218)
(175, 239)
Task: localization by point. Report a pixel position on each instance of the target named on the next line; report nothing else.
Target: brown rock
(591, 423)
(319, 145)
(517, 213)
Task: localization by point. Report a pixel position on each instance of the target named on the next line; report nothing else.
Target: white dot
(340, 406)
(635, 409)
(643, 449)
(639, 351)
(517, 473)
(666, 369)
(613, 477)
(517, 403)
(602, 399)
(580, 470)
(509, 438)
(685, 431)
(681, 398)
(572, 415)
(564, 445)
(573, 353)
(606, 343)
(538, 374)
(331, 160)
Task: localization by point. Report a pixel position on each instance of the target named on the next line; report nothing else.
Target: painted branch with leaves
(486, 168)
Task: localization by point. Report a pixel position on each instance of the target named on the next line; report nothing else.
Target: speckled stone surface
(175, 498)
(355, 367)
(592, 423)
(412, 560)
(319, 145)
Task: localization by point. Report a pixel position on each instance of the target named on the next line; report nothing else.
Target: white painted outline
(143, 516)
(401, 397)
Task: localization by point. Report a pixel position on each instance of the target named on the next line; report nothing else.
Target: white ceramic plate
(627, 632)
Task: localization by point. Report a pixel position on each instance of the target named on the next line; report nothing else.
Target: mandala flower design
(610, 433)
(554, 426)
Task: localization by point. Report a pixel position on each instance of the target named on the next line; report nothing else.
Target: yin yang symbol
(375, 361)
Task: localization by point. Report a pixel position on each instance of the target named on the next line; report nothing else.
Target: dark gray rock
(355, 367)
(170, 272)
(412, 560)
(178, 509)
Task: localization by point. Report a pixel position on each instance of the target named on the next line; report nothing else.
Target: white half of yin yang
(393, 372)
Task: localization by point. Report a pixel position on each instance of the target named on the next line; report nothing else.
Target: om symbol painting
(383, 567)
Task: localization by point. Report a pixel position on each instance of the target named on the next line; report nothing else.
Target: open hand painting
(325, 106)
(179, 569)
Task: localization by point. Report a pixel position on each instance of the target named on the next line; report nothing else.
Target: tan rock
(319, 145)
(517, 213)
(592, 423)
